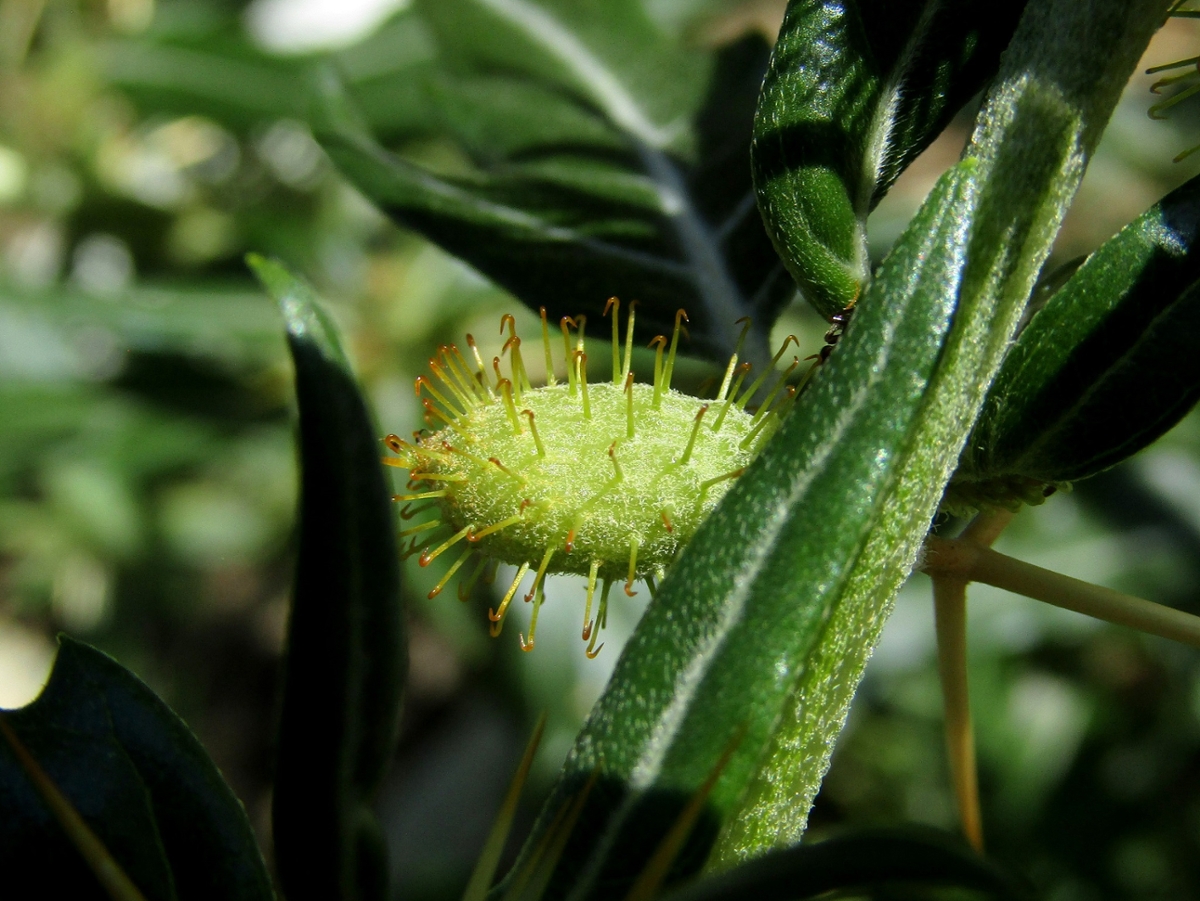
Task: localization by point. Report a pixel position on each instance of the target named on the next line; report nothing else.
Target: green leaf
(346, 652)
(866, 864)
(139, 778)
(1108, 364)
(603, 158)
(932, 57)
(759, 634)
(607, 52)
(853, 93)
(742, 615)
(217, 321)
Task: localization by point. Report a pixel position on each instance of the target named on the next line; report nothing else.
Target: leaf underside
(854, 92)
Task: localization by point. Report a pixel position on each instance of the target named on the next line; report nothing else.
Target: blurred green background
(147, 473)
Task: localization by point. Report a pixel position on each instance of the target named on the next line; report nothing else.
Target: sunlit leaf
(854, 92)
(766, 620)
(742, 615)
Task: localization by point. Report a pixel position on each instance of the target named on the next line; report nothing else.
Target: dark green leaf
(139, 778)
(604, 159)
(346, 653)
(932, 57)
(1108, 364)
(860, 864)
(853, 93)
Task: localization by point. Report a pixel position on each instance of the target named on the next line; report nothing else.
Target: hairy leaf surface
(758, 636)
(853, 93)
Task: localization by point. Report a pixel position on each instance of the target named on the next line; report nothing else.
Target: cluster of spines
(467, 388)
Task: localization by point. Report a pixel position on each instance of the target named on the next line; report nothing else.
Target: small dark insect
(837, 327)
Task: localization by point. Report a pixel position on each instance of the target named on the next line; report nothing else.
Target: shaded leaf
(346, 654)
(861, 864)
(853, 93)
(140, 780)
(1108, 364)
(606, 159)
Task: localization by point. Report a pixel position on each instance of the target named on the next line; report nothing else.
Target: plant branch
(950, 616)
(965, 560)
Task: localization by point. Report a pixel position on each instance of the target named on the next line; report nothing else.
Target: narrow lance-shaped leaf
(934, 56)
(608, 159)
(346, 656)
(215, 70)
(1039, 124)
(140, 780)
(1108, 364)
(743, 611)
(853, 93)
(764, 625)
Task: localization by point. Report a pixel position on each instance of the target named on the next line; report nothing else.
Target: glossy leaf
(853, 93)
(139, 778)
(346, 653)
(1108, 364)
(605, 158)
(865, 864)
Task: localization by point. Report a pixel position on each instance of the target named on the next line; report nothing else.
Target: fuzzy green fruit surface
(591, 492)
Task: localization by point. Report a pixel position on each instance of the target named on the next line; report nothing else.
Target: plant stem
(965, 560)
(950, 616)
